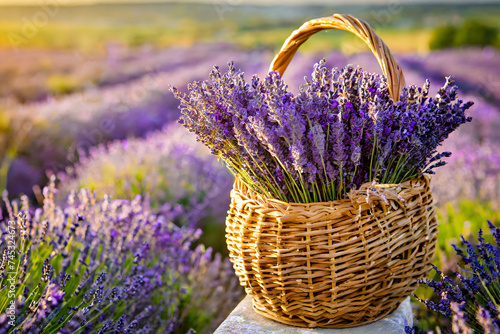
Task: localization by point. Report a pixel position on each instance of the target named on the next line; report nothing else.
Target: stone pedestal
(243, 320)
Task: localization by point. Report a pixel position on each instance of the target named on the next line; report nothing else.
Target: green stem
(371, 159)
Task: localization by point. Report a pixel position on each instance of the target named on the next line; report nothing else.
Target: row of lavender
(53, 134)
(97, 265)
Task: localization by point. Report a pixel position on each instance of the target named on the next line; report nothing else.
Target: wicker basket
(334, 264)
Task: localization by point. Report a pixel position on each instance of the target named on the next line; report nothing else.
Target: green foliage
(62, 84)
(442, 37)
(475, 33)
(469, 33)
(466, 217)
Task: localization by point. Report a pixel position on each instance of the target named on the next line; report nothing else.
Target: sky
(240, 2)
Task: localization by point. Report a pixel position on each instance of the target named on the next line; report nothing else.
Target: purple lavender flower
(459, 324)
(486, 320)
(342, 129)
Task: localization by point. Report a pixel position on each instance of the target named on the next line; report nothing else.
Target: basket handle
(360, 28)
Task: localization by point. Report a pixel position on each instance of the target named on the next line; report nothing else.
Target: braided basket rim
(243, 189)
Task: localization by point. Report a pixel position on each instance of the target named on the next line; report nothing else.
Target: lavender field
(120, 138)
(120, 211)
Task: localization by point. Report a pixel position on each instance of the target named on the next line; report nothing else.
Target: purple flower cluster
(342, 129)
(172, 169)
(110, 266)
(471, 300)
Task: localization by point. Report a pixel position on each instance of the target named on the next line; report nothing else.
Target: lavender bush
(170, 168)
(478, 169)
(474, 68)
(476, 159)
(107, 266)
(69, 126)
(341, 130)
(470, 300)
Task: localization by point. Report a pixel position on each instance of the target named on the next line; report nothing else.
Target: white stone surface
(244, 320)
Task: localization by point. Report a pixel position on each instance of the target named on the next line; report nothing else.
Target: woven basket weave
(335, 264)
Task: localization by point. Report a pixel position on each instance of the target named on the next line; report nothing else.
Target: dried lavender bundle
(341, 130)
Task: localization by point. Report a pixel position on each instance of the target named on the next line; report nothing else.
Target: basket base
(244, 320)
(305, 322)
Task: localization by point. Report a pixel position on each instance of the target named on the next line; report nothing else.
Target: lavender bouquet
(341, 130)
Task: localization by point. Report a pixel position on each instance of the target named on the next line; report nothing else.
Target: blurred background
(84, 94)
